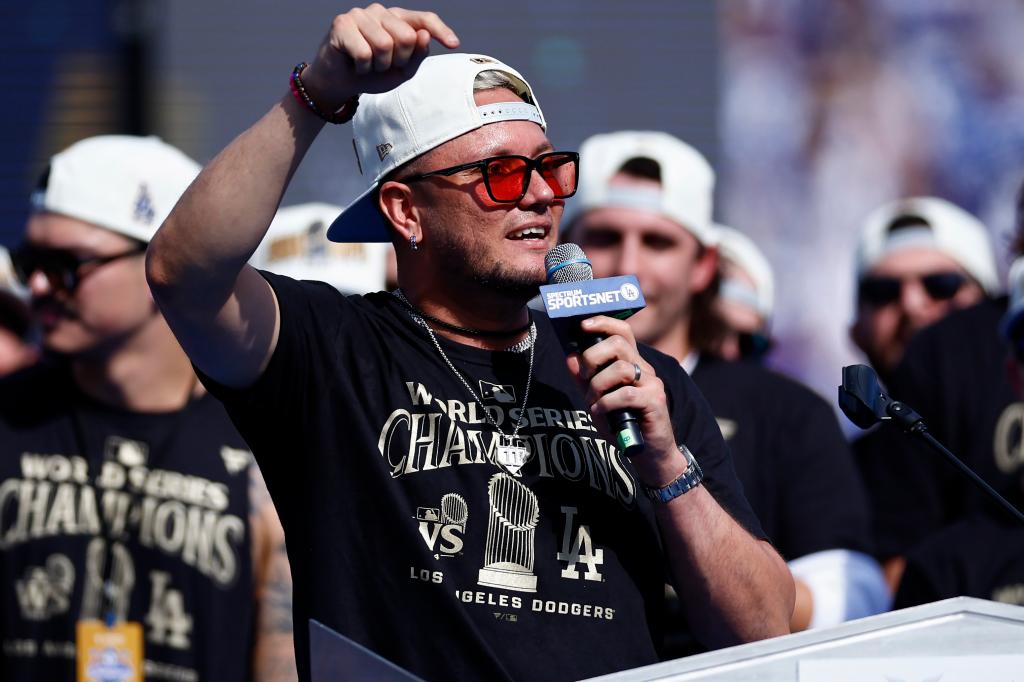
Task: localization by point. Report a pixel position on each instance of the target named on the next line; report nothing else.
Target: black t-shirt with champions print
(169, 491)
(404, 535)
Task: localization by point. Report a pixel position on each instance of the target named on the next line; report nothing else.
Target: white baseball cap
(740, 250)
(434, 106)
(946, 228)
(687, 180)
(120, 182)
(296, 245)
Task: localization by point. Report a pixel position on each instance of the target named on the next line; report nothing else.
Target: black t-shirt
(405, 536)
(954, 374)
(791, 456)
(976, 557)
(171, 491)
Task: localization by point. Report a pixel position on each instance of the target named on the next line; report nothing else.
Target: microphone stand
(865, 404)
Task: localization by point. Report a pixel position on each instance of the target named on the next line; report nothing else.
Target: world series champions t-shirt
(156, 504)
(954, 374)
(402, 532)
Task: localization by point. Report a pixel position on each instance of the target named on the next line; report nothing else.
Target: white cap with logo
(120, 182)
(296, 245)
(434, 106)
(687, 180)
(945, 227)
(740, 250)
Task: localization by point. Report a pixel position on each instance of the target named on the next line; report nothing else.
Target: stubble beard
(506, 281)
(467, 264)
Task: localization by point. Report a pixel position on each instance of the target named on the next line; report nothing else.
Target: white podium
(951, 640)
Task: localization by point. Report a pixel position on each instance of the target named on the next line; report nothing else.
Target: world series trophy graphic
(454, 510)
(508, 552)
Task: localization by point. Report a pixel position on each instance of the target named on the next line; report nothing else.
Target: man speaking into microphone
(438, 465)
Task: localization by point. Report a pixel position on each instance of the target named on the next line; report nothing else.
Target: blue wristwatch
(688, 480)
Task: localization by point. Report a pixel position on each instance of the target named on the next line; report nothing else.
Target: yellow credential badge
(108, 654)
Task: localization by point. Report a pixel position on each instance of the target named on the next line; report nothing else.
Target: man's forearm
(223, 216)
(734, 588)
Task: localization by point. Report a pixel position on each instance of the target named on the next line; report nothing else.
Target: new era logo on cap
(384, 149)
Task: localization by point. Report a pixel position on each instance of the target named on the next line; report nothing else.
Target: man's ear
(704, 269)
(396, 203)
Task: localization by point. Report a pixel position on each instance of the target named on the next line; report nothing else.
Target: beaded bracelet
(343, 114)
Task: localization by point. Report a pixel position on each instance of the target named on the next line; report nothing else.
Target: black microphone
(565, 264)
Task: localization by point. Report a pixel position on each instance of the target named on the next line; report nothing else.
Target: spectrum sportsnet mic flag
(613, 296)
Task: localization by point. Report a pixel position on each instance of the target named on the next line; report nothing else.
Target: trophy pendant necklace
(511, 453)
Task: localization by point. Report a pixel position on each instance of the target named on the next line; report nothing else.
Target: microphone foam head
(567, 263)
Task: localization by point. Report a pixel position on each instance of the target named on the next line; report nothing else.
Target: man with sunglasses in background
(127, 498)
(449, 472)
(644, 208)
(918, 260)
(927, 280)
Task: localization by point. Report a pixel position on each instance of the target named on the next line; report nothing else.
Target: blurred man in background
(16, 350)
(644, 208)
(742, 310)
(126, 494)
(920, 260)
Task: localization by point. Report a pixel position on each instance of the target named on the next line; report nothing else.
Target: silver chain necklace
(511, 453)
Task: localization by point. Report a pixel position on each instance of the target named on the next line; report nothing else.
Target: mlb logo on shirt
(428, 514)
(128, 452)
(728, 427)
(500, 393)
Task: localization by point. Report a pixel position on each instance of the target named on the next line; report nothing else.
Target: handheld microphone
(571, 295)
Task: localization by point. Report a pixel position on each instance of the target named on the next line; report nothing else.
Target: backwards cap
(687, 180)
(740, 250)
(434, 106)
(947, 228)
(122, 183)
(296, 245)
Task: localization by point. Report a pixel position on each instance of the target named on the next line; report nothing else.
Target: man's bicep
(233, 343)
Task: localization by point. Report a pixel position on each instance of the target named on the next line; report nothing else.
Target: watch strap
(688, 480)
